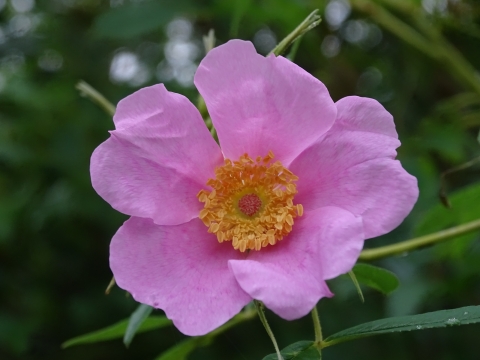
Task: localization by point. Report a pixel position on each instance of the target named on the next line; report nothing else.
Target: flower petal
(259, 104)
(364, 114)
(378, 190)
(353, 167)
(180, 269)
(289, 277)
(157, 160)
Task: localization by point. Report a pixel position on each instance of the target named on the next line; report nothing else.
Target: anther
(251, 202)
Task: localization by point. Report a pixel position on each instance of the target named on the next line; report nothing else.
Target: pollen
(251, 202)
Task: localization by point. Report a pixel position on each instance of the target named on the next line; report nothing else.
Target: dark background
(55, 230)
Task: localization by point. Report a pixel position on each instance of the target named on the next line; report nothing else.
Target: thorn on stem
(111, 284)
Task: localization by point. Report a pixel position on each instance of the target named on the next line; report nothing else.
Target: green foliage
(436, 319)
(375, 277)
(465, 207)
(302, 350)
(184, 348)
(117, 331)
(135, 322)
(239, 10)
(55, 230)
(462, 109)
(137, 19)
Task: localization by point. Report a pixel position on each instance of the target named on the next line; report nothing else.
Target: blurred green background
(418, 58)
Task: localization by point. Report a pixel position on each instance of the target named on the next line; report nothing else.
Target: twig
(419, 242)
(88, 91)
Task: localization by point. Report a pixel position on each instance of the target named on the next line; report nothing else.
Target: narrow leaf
(436, 319)
(375, 277)
(357, 285)
(136, 320)
(116, 331)
(184, 348)
(302, 350)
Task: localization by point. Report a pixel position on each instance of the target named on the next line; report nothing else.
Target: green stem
(317, 327)
(451, 57)
(88, 91)
(431, 42)
(263, 319)
(334, 342)
(293, 52)
(111, 284)
(443, 184)
(419, 242)
(309, 23)
(243, 316)
(396, 26)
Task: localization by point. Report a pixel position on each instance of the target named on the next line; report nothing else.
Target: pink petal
(259, 104)
(157, 160)
(354, 168)
(364, 114)
(289, 277)
(378, 190)
(180, 269)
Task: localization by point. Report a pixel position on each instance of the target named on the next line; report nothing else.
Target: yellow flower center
(251, 203)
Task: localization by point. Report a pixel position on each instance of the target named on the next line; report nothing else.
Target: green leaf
(436, 319)
(375, 277)
(136, 320)
(117, 331)
(302, 350)
(478, 137)
(136, 19)
(183, 349)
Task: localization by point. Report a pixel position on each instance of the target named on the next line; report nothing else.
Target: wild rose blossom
(285, 203)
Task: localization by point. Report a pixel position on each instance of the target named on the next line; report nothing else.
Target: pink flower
(267, 229)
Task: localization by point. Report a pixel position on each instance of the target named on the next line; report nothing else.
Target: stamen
(251, 203)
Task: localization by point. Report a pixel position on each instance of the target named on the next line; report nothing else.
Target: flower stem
(412, 244)
(261, 313)
(88, 91)
(317, 327)
(237, 319)
(426, 39)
